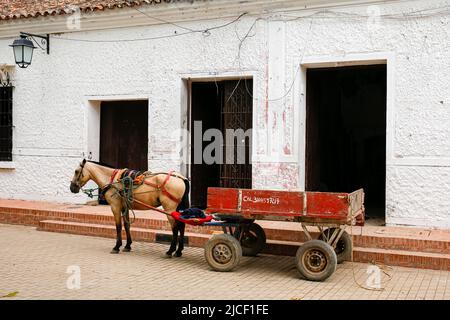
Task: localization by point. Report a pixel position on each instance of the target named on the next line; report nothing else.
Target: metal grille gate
(237, 113)
(6, 125)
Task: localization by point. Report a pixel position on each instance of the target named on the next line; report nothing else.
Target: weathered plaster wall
(52, 97)
(418, 159)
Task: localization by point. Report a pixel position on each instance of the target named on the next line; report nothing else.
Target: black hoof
(115, 251)
(126, 249)
(169, 254)
(178, 254)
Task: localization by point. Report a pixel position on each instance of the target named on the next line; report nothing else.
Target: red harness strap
(178, 216)
(161, 187)
(193, 221)
(113, 175)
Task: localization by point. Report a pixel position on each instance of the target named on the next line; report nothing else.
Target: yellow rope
(382, 267)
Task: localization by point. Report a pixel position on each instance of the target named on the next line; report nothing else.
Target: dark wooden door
(312, 165)
(206, 106)
(124, 134)
(6, 117)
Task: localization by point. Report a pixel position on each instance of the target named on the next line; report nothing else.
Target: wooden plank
(255, 202)
(356, 209)
(325, 205)
(283, 203)
(224, 200)
(356, 201)
(124, 134)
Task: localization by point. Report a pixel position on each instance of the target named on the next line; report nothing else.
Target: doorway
(346, 133)
(221, 105)
(124, 134)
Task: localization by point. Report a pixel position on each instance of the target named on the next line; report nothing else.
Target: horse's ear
(84, 161)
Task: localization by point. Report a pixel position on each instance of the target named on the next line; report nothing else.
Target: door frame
(386, 58)
(91, 133)
(376, 58)
(186, 103)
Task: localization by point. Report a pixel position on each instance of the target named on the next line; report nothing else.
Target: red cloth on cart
(192, 221)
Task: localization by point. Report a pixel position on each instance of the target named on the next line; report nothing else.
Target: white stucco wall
(54, 95)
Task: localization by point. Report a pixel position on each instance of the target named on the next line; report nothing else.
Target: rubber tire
(258, 246)
(328, 253)
(345, 241)
(233, 245)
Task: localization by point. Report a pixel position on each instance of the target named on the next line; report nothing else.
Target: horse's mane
(102, 164)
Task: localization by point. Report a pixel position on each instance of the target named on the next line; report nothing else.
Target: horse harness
(135, 177)
(139, 178)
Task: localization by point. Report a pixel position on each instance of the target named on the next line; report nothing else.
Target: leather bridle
(80, 174)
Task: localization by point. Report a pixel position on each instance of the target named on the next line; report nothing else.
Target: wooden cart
(237, 209)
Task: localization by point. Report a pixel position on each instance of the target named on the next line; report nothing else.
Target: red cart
(237, 209)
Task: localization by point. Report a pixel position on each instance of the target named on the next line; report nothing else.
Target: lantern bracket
(44, 43)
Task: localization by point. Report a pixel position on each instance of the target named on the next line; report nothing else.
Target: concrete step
(406, 239)
(403, 258)
(402, 242)
(109, 231)
(276, 247)
(424, 260)
(142, 219)
(152, 235)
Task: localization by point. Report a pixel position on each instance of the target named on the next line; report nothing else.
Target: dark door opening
(346, 132)
(221, 105)
(124, 134)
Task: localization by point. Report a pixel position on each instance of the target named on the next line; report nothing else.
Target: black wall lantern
(23, 48)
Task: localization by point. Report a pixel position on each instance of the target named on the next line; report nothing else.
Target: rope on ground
(384, 268)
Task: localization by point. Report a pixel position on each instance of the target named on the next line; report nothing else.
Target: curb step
(277, 247)
(421, 248)
(402, 258)
(291, 233)
(143, 220)
(109, 231)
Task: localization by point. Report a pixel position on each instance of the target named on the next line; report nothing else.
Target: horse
(169, 190)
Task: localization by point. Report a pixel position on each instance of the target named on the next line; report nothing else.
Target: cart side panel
(278, 203)
(324, 205)
(223, 200)
(255, 203)
(319, 207)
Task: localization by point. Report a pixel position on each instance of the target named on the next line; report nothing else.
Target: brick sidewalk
(35, 263)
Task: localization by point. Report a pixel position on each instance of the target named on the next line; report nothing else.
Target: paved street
(35, 265)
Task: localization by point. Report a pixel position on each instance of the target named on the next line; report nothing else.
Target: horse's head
(80, 177)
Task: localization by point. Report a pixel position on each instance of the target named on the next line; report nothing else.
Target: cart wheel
(253, 240)
(344, 245)
(316, 260)
(223, 252)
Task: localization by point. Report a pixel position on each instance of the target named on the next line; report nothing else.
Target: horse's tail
(184, 203)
